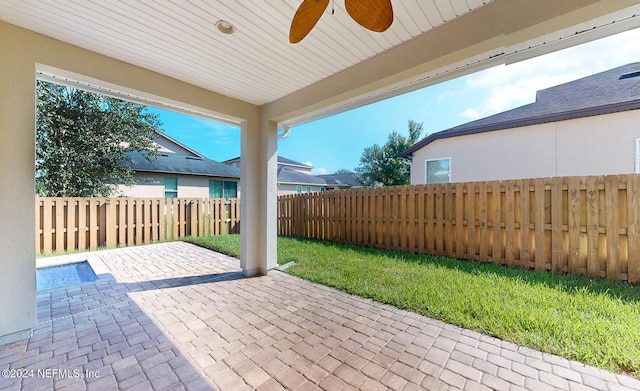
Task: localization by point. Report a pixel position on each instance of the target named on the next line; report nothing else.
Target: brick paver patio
(174, 316)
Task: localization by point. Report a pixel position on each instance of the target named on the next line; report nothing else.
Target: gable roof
(284, 160)
(607, 92)
(291, 176)
(174, 163)
(281, 160)
(162, 134)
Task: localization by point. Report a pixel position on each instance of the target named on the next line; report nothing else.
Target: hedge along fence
(67, 224)
(578, 225)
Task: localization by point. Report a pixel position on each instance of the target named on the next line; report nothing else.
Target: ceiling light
(225, 27)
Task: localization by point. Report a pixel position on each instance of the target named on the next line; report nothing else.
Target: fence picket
(82, 224)
(95, 207)
(470, 206)
(459, 220)
(556, 226)
(420, 220)
(156, 216)
(59, 224)
(439, 200)
(593, 236)
(539, 226)
(449, 248)
(483, 255)
(633, 228)
(525, 224)
(411, 220)
(509, 224)
(496, 224)
(47, 235)
(130, 227)
(612, 228)
(574, 221)
(70, 224)
(377, 197)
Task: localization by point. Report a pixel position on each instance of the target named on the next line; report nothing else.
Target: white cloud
(319, 171)
(508, 86)
(446, 95)
(471, 114)
(308, 163)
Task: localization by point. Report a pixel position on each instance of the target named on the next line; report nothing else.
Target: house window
(298, 189)
(223, 189)
(438, 171)
(308, 189)
(638, 156)
(323, 189)
(170, 187)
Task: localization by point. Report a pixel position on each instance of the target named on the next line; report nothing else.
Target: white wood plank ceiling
(256, 64)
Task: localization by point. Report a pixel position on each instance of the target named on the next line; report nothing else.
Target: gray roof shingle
(344, 179)
(173, 163)
(288, 175)
(281, 160)
(602, 93)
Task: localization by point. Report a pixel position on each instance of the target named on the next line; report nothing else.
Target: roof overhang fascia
(564, 116)
(489, 36)
(136, 171)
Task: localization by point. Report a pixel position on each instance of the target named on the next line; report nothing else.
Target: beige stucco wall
(165, 145)
(597, 145)
(22, 53)
(17, 190)
(285, 189)
(152, 185)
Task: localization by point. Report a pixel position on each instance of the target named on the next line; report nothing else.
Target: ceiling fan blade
(305, 18)
(375, 15)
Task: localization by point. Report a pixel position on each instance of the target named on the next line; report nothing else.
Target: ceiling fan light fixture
(225, 27)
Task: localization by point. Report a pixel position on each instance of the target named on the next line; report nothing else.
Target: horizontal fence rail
(577, 225)
(67, 224)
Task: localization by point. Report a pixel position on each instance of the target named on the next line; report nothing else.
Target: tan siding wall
(147, 185)
(171, 147)
(291, 189)
(193, 187)
(600, 145)
(607, 146)
(152, 185)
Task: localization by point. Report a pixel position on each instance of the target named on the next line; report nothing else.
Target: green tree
(382, 165)
(82, 140)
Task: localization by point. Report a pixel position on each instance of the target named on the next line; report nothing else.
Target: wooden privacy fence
(66, 224)
(578, 225)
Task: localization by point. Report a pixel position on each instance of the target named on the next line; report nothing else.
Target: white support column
(259, 191)
(17, 193)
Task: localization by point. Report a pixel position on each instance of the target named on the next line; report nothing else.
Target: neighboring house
(339, 181)
(295, 178)
(180, 172)
(590, 126)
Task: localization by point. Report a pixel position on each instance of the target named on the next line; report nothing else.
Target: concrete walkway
(174, 316)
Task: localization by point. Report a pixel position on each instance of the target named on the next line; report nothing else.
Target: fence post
(193, 216)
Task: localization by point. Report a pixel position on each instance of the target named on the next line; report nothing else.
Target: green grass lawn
(593, 321)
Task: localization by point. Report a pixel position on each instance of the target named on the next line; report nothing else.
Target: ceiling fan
(375, 15)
